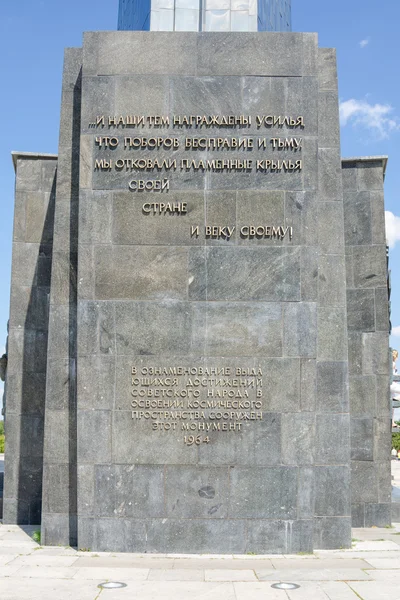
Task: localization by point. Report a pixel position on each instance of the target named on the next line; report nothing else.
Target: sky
(33, 36)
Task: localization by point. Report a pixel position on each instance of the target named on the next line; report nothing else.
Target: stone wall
(368, 334)
(28, 331)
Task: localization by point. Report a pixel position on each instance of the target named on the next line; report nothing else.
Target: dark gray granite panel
(331, 428)
(275, 497)
(327, 503)
(361, 310)
(362, 438)
(300, 329)
(280, 537)
(332, 532)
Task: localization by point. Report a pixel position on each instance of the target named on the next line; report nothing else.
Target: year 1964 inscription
(201, 400)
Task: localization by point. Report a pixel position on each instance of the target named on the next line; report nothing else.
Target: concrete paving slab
(376, 590)
(15, 550)
(258, 591)
(384, 574)
(5, 559)
(119, 562)
(336, 554)
(321, 563)
(176, 590)
(377, 545)
(176, 575)
(332, 590)
(297, 575)
(111, 574)
(47, 589)
(384, 563)
(229, 575)
(46, 572)
(37, 560)
(232, 563)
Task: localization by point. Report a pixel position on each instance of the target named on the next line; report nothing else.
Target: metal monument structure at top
(205, 15)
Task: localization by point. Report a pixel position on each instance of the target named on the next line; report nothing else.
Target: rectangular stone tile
(332, 394)
(362, 438)
(92, 447)
(381, 309)
(216, 95)
(378, 217)
(141, 273)
(298, 439)
(165, 327)
(196, 536)
(39, 560)
(108, 53)
(244, 329)
(361, 310)
(216, 50)
(308, 384)
(276, 493)
(363, 482)
(44, 572)
(332, 334)
(371, 590)
(176, 575)
(197, 492)
(280, 536)
(332, 491)
(22, 590)
(369, 266)
(332, 532)
(305, 493)
(338, 574)
(357, 218)
(229, 575)
(334, 590)
(128, 491)
(282, 380)
(375, 356)
(256, 591)
(300, 329)
(267, 274)
(221, 212)
(329, 175)
(109, 573)
(317, 563)
(331, 280)
(309, 274)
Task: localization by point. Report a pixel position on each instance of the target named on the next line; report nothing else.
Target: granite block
(332, 439)
(381, 309)
(382, 440)
(298, 439)
(128, 491)
(94, 448)
(331, 283)
(244, 329)
(361, 310)
(194, 492)
(328, 122)
(332, 532)
(377, 515)
(358, 218)
(308, 384)
(362, 395)
(198, 536)
(54, 475)
(327, 70)
(332, 334)
(282, 380)
(378, 217)
(327, 479)
(305, 493)
(369, 266)
(362, 438)
(329, 175)
(375, 354)
(141, 273)
(300, 329)
(364, 486)
(330, 232)
(301, 214)
(309, 274)
(275, 497)
(369, 176)
(263, 274)
(280, 537)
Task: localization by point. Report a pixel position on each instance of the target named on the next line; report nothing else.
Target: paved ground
(370, 570)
